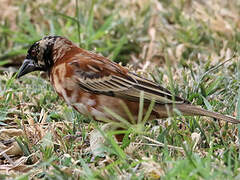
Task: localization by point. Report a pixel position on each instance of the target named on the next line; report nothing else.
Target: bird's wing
(97, 74)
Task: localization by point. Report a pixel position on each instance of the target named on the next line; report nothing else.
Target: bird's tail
(191, 110)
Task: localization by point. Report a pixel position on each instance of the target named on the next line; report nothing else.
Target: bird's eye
(34, 53)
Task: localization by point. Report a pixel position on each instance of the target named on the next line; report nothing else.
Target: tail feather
(190, 110)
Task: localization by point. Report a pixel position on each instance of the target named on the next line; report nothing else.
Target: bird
(92, 83)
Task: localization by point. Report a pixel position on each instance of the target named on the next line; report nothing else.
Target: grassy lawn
(190, 47)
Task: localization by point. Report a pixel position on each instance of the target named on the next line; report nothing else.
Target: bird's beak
(27, 67)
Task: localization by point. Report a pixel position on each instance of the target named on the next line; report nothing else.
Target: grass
(179, 44)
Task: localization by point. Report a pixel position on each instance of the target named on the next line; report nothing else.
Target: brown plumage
(90, 82)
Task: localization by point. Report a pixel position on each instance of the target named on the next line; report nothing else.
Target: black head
(39, 56)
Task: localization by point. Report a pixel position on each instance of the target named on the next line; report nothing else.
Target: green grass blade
(140, 111)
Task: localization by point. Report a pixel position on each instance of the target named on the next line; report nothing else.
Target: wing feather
(114, 80)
